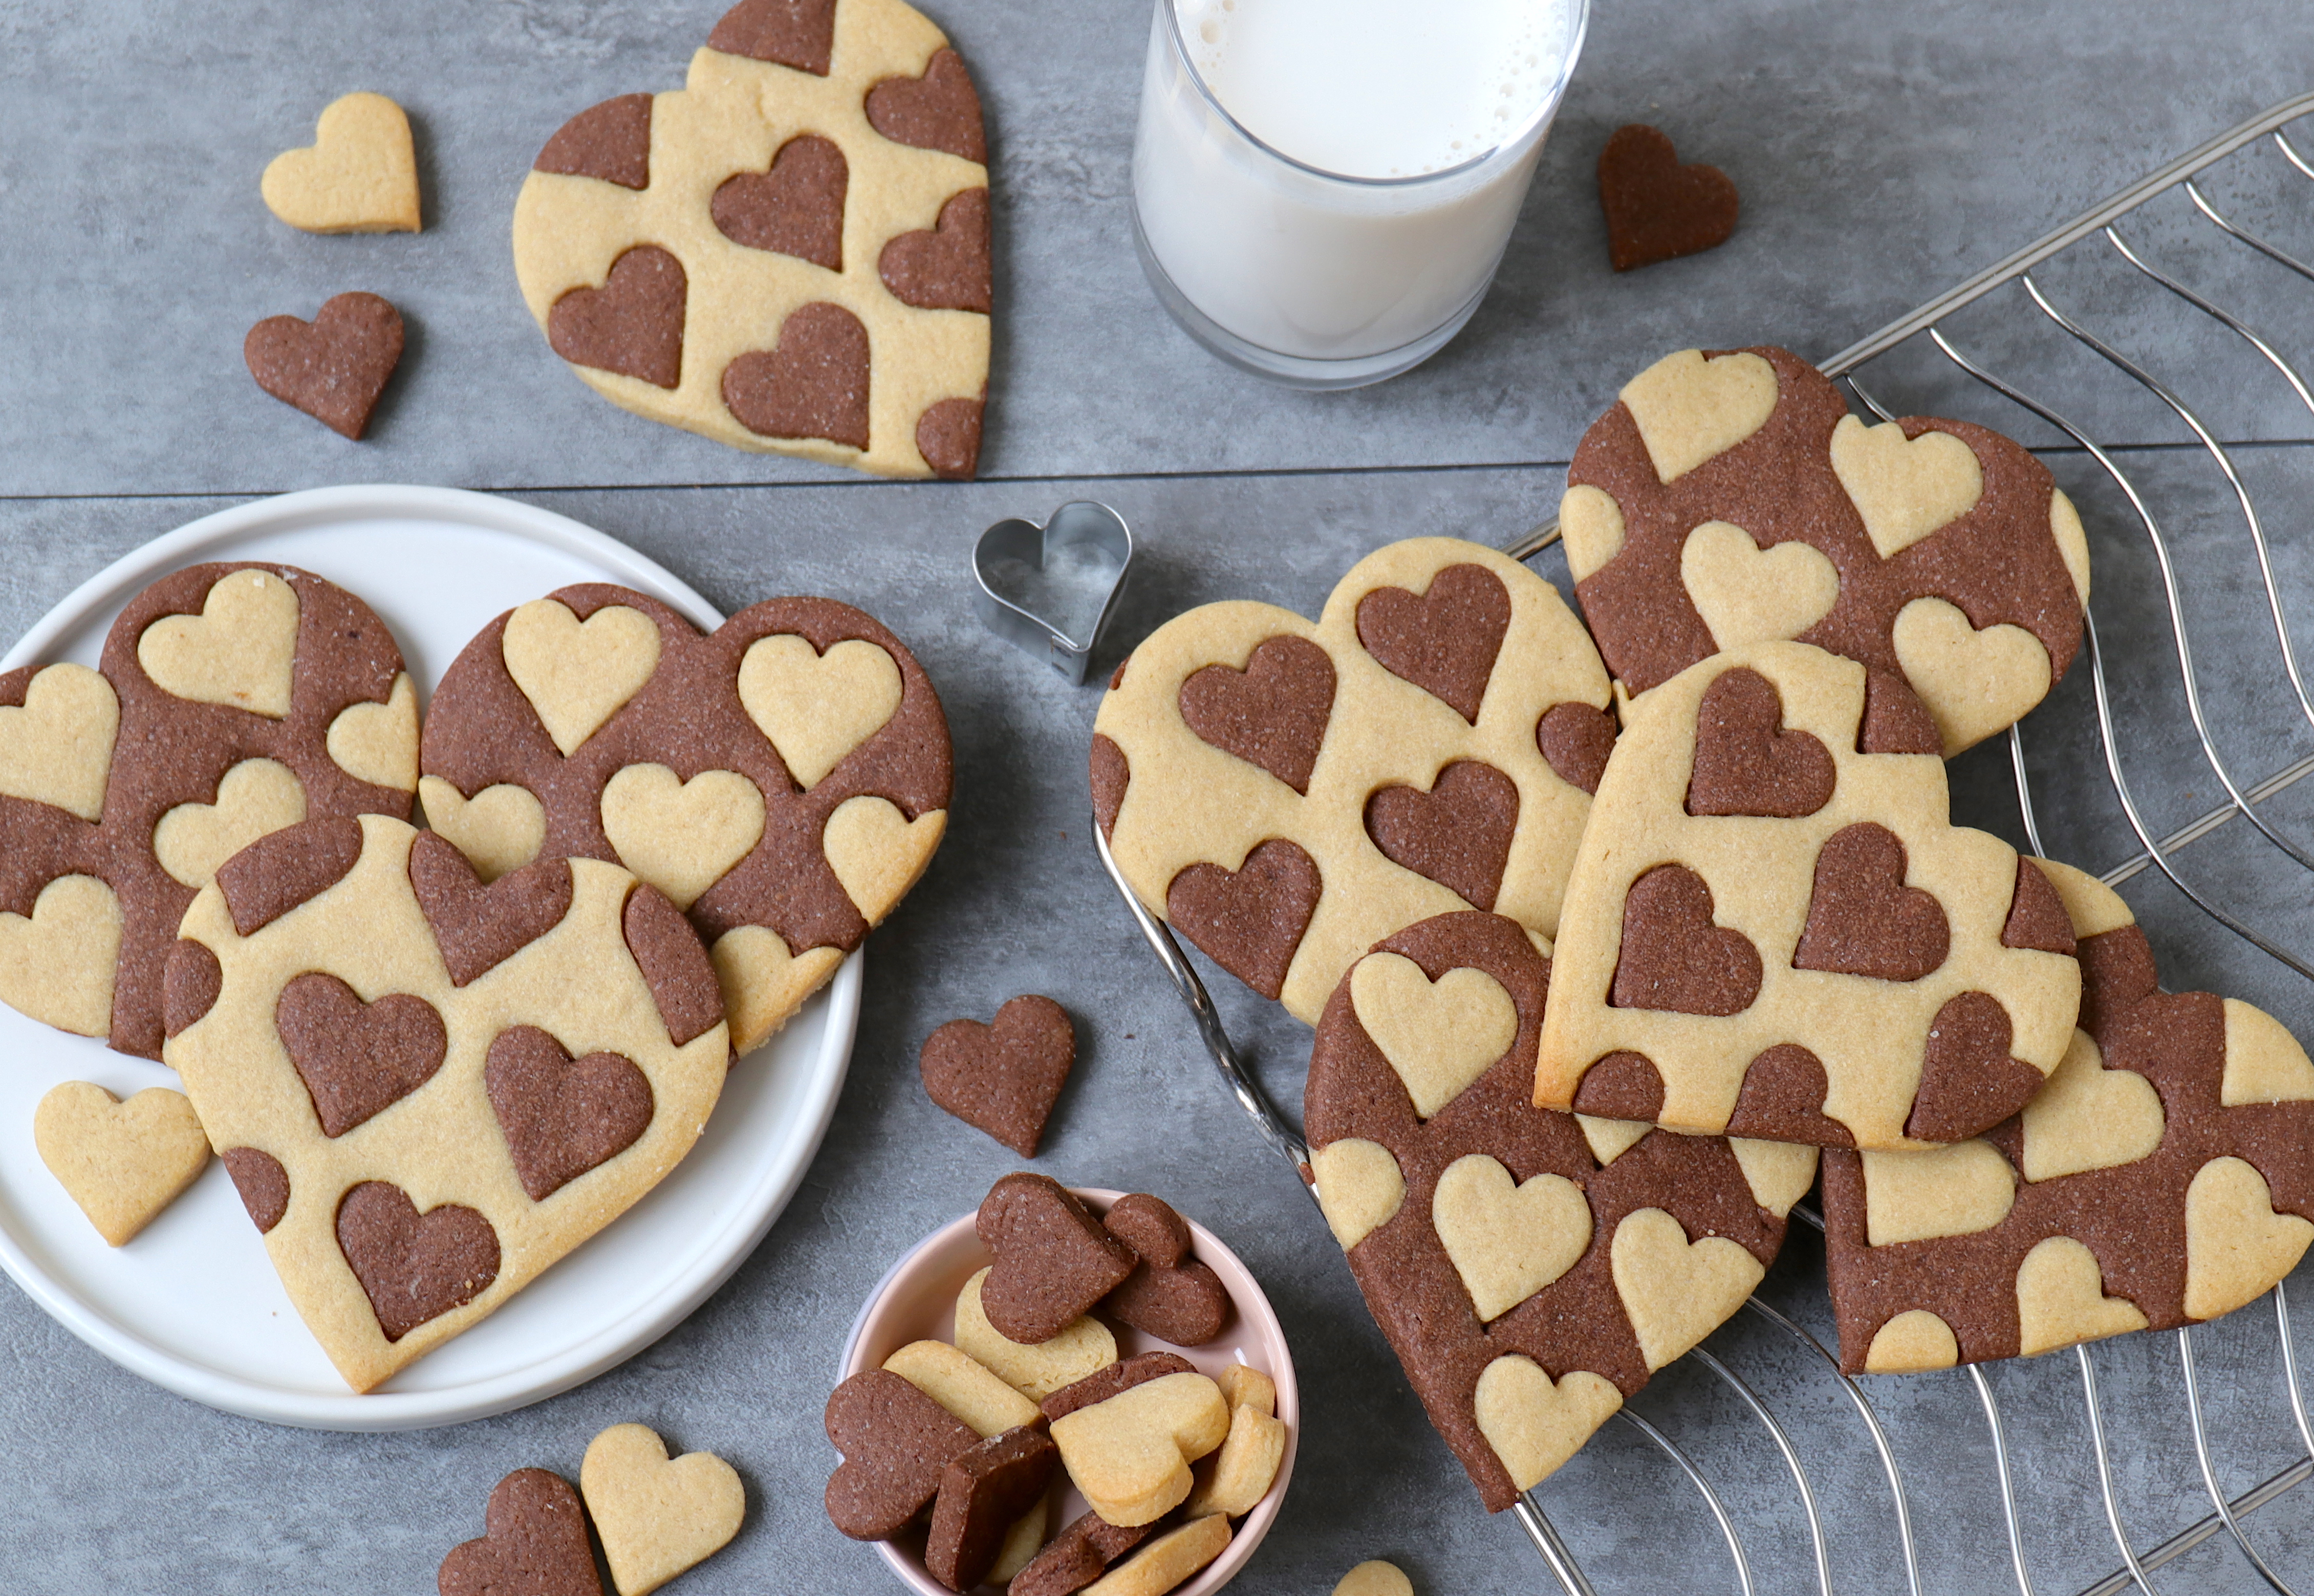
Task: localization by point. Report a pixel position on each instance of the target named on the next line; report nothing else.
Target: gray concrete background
(1884, 152)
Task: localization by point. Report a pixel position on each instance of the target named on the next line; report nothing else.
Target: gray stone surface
(1885, 153)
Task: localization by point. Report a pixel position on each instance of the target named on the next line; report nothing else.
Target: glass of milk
(1322, 189)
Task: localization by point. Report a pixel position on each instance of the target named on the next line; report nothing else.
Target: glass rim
(1541, 113)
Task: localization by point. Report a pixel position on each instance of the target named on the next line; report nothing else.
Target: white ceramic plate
(192, 1304)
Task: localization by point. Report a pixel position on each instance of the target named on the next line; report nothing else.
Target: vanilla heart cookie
(1130, 1454)
(2164, 1176)
(784, 780)
(791, 253)
(1774, 929)
(230, 699)
(657, 1516)
(1730, 498)
(120, 1162)
(1285, 794)
(359, 174)
(428, 1091)
(1529, 1268)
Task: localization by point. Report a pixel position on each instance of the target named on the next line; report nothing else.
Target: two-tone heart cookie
(1531, 1269)
(789, 253)
(230, 699)
(1730, 498)
(1774, 929)
(427, 1090)
(784, 780)
(2165, 1176)
(1287, 794)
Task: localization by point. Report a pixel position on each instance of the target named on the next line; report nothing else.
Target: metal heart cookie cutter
(1063, 578)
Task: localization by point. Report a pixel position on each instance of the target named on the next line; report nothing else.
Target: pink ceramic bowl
(916, 1302)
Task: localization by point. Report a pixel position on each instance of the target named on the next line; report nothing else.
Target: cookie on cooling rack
(2165, 1176)
(1730, 498)
(785, 780)
(1285, 794)
(1531, 1269)
(1772, 928)
(791, 253)
(231, 699)
(427, 1091)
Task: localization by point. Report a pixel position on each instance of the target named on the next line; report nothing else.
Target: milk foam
(1379, 88)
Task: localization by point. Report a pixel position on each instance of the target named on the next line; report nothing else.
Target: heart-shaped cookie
(359, 174)
(783, 781)
(214, 717)
(536, 1542)
(332, 368)
(121, 1162)
(2165, 1175)
(1172, 1296)
(1054, 1259)
(381, 1045)
(1130, 1454)
(1529, 1268)
(1003, 1078)
(1773, 929)
(896, 1442)
(791, 253)
(657, 1516)
(1285, 794)
(1940, 552)
(1655, 208)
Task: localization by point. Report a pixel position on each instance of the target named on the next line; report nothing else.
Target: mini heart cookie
(359, 175)
(897, 1443)
(383, 1047)
(1003, 1078)
(536, 1542)
(1936, 551)
(784, 780)
(1130, 1455)
(1077, 1557)
(1529, 1268)
(982, 1494)
(121, 1162)
(214, 717)
(1054, 1259)
(657, 1516)
(1773, 930)
(1655, 208)
(332, 368)
(790, 253)
(1285, 794)
(1171, 1295)
(2164, 1176)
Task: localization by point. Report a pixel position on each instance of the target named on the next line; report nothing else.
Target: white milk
(1422, 123)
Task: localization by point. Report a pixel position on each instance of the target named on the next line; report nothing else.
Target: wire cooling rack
(2042, 338)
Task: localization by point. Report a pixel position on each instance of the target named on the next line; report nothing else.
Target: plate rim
(781, 1174)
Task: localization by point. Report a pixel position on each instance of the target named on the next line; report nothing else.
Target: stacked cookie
(435, 1061)
(1592, 991)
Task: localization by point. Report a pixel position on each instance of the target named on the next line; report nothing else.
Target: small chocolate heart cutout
(356, 1059)
(1272, 714)
(1054, 1260)
(414, 1267)
(1003, 1078)
(333, 367)
(1054, 589)
(895, 1441)
(1746, 762)
(1862, 920)
(610, 141)
(563, 1116)
(814, 385)
(1445, 640)
(535, 1543)
(945, 267)
(1172, 1296)
(798, 33)
(1458, 834)
(632, 324)
(1657, 209)
(478, 927)
(1674, 957)
(939, 111)
(794, 209)
(1250, 920)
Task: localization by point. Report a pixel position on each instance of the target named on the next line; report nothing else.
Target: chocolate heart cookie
(789, 253)
(231, 699)
(1774, 929)
(1285, 794)
(1531, 1269)
(414, 1136)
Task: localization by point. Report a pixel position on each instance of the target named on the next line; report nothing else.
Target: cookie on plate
(1774, 929)
(427, 1091)
(231, 699)
(1531, 1269)
(1285, 793)
(2166, 1176)
(791, 253)
(785, 780)
(1730, 498)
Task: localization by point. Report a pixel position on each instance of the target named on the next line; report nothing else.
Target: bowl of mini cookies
(1070, 1389)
